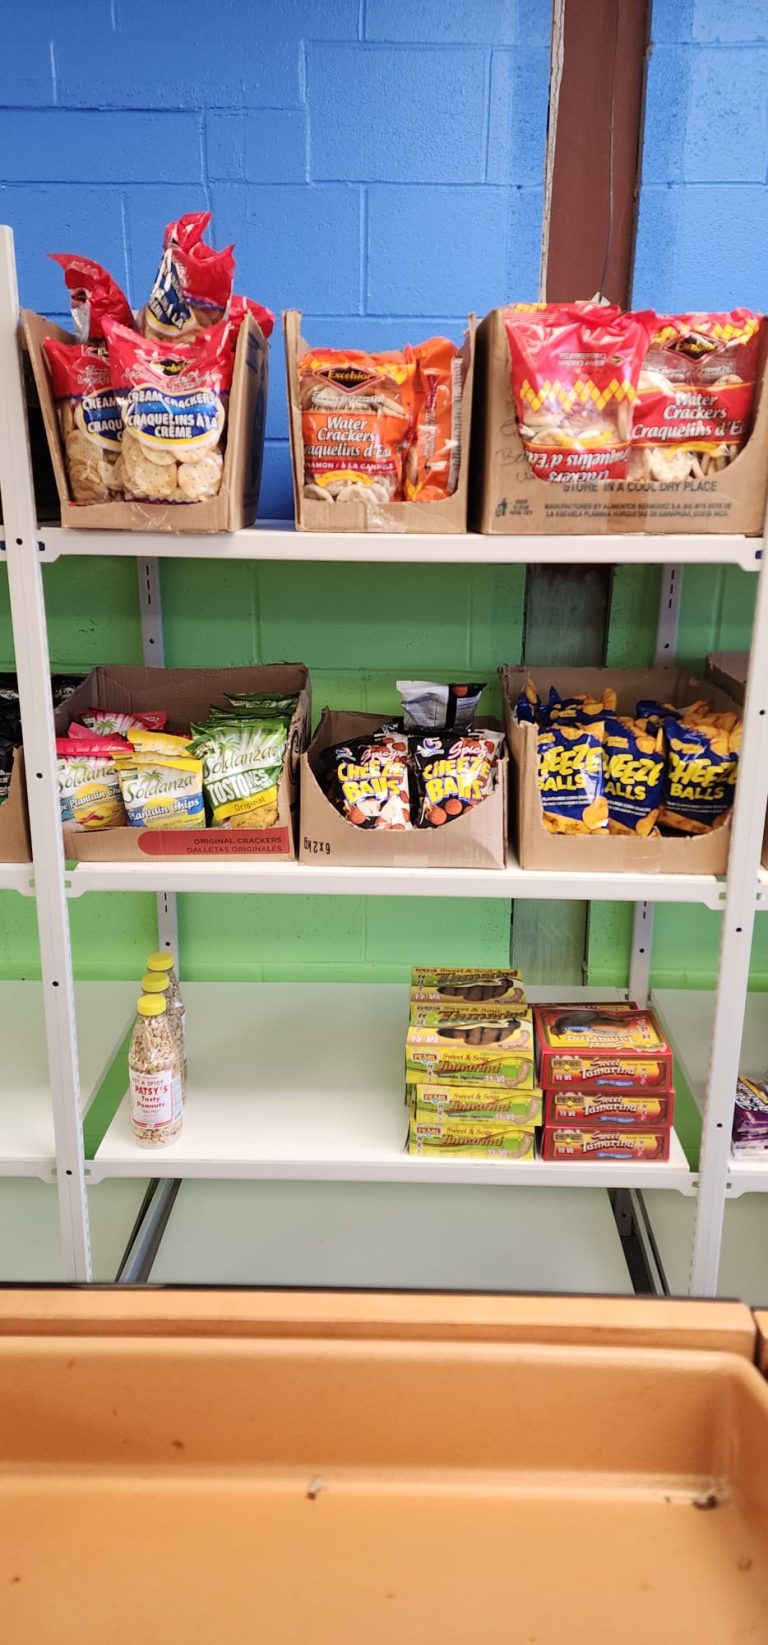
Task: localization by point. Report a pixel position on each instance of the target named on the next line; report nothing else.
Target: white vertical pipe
(33, 670)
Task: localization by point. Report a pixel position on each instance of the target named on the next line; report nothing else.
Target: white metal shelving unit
(327, 1118)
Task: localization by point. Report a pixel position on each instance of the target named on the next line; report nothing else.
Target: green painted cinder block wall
(359, 628)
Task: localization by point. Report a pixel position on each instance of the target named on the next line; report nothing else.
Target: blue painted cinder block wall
(703, 224)
(379, 163)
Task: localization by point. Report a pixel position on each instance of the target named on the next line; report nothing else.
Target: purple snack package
(750, 1118)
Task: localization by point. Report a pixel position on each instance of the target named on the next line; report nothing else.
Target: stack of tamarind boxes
(470, 1066)
(607, 1076)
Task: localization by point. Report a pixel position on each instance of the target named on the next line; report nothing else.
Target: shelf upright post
(667, 624)
(33, 670)
(735, 951)
(153, 647)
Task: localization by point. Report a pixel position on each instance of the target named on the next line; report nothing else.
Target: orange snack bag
(356, 418)
(432, 464)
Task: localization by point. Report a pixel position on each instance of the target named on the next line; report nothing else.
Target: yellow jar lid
(150, 1005)
(154, 983)
(159, 962)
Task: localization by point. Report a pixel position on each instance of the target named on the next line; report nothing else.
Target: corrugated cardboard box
(729, 669)
(476, 840)
(507, 497)
(238, 499)
(14, 818)
(186, 694)
(449, 515)
(592, 853)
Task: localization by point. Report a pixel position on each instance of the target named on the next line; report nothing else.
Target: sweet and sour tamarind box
(237, 501)
(508, 499)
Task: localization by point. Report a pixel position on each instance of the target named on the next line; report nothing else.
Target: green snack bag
(242, 763)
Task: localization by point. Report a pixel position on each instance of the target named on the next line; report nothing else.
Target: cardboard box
(596, 1110)
(437, 1055)
(14, 818)
(453, 984)
(613, 853)
(429, 1014)
(492, 1102)
(237, 501)
(446, 516)
(619, 1144)
(187, 694)
(476, 840)
(507, 497)
(469, 1138)
(601, 1047)
(729, 670)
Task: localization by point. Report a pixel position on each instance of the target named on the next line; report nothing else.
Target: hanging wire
(611, 149)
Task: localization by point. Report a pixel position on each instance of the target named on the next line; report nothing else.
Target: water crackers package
(702, 766)
(570, 776)
(633, 769)
(575, 370)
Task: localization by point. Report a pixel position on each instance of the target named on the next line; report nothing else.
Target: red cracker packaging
(173, 401)
(696, 392)
(609, 1144)
(592, 1048)
(93, 296)
(88, 413)
(575, 370)
(638, 1111)
(193, 284)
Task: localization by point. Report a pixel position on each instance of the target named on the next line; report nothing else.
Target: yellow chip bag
(570, 777)
(633, 769)
(702, 766)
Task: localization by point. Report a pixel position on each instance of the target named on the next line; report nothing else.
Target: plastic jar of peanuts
(154, 1069)
(155, 983)
(163, 965)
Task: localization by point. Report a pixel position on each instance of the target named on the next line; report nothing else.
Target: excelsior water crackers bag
(173, 402)
(575, 370)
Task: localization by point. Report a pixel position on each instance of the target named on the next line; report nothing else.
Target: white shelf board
(305, 1082)
(242, 875)
(17, 876)
(30, 1232)
(26, 1118)
(279, 540)
(391, 1236)
(743, 1274)
(688, 1015)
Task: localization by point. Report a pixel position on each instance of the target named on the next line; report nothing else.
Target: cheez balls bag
(452, 774)
(173, 402)
(575, 370)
